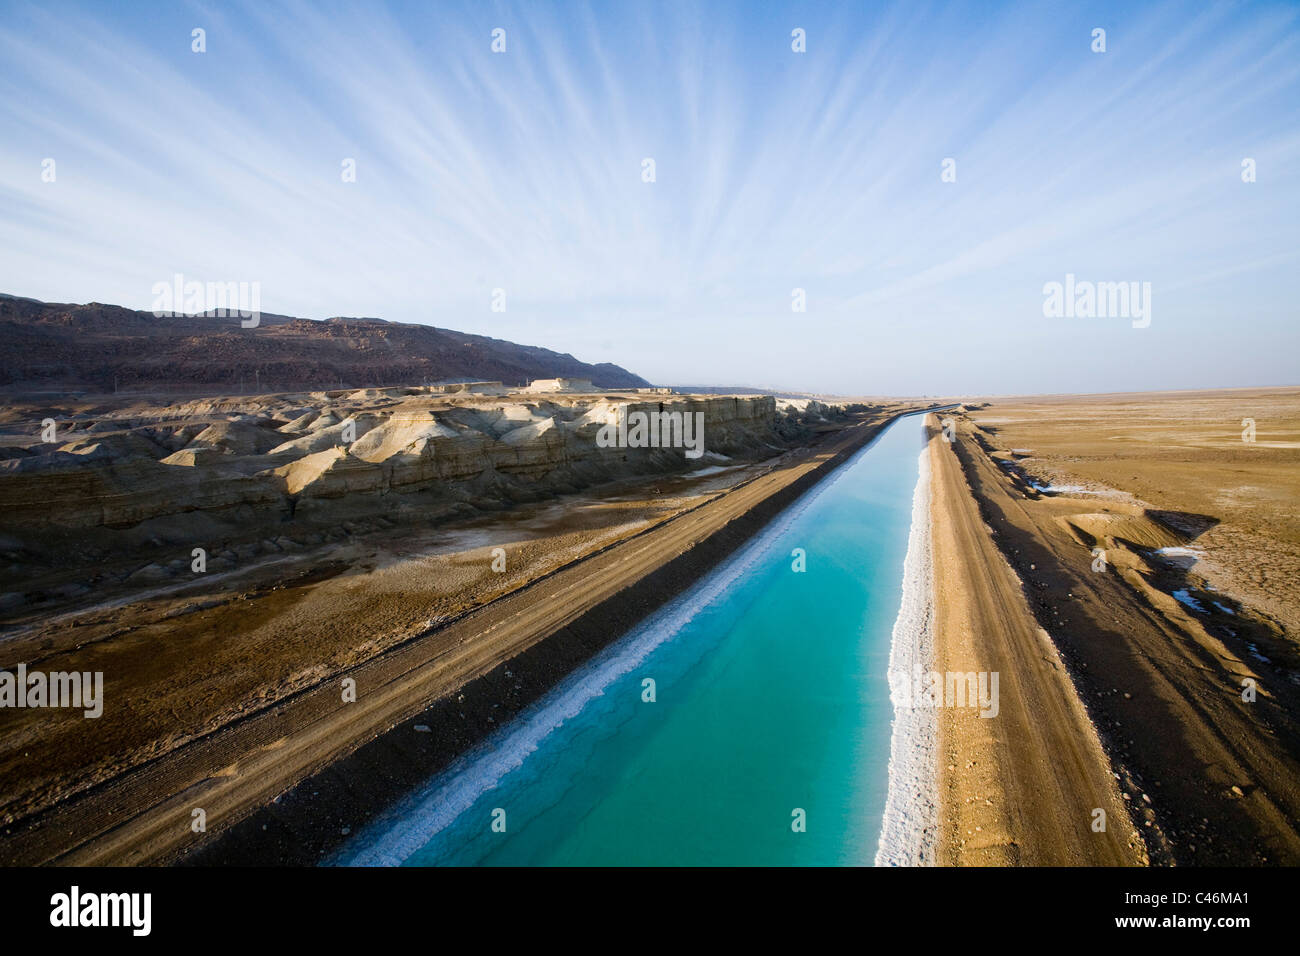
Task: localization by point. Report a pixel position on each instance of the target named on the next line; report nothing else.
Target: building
(561, 385)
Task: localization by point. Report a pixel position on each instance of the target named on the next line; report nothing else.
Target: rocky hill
(103, 348)
(121, 482)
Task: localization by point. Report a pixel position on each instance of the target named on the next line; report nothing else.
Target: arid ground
(1159, 552)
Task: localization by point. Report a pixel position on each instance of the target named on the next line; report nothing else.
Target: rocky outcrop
(130, 493)
(287, 457)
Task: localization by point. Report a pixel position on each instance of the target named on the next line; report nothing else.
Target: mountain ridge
(108, 347)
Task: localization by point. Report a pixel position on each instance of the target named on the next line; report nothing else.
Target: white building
(561, 385)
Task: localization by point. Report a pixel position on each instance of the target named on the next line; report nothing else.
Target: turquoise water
(771, 698)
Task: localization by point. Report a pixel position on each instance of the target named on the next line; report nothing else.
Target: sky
(774, 170)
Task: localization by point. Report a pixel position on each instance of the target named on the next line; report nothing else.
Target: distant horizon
(810, 391)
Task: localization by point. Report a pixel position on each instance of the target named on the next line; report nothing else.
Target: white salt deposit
(908, 831)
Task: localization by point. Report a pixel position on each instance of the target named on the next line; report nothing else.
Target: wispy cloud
(774, 170)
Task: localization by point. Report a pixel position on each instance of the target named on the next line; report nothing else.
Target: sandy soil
(1182, 453)
(1163, 489)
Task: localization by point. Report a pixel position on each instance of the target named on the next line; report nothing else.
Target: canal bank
(539, 636)
(746, 722)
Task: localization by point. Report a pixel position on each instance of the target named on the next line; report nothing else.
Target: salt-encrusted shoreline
(908, 831)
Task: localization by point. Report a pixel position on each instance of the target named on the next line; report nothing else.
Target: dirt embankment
(1027, 786)
(1098, 507)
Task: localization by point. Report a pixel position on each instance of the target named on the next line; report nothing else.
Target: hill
(97, 347)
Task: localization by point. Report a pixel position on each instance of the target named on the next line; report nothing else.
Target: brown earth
(187, 660)
(1209, 777)
(1181, 456)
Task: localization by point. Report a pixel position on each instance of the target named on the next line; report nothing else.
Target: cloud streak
(775, 170)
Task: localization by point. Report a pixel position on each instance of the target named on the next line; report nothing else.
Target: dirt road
(1212, 778)
(1023, 787)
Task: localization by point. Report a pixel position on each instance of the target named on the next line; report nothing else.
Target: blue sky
(775, 170)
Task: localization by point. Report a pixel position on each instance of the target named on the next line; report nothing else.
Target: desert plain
(1140, 567)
